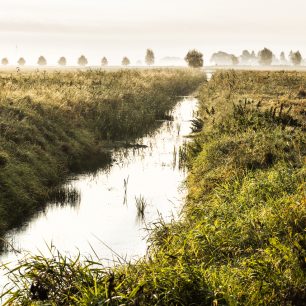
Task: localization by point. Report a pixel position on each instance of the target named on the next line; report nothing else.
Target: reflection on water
(111, 208)
(65, 195)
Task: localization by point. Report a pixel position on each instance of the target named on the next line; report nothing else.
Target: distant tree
(4, 61)
(194, 59)
(42, 61)
(235, 60)
(296, 58)
(82, 61)
(246, 56)
(274, 59)
(265, 57)
(223, 58)
(104, 61)
(282, 57)
(149, 59)
(125, 61)
(21, 61)
(62, 61)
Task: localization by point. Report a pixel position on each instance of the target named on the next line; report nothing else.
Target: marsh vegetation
(143, 183)
(241, 236)
(56, 123)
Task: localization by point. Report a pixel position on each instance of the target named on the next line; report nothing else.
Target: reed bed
(53, 123)
(241, 236)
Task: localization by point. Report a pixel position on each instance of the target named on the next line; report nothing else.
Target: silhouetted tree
(104, 61)
(194, 59)
(149, 59)
(125, 61)
(42, 61)
(248, 57)
(223, 58)
(245, 57)
(62, 61)
(4, 61)
(265, 57)
(282, 57)
(296, 58)
(82, 61)
(21, 61)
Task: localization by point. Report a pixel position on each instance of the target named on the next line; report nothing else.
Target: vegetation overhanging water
(53, 123)
(241, 238)
(99, 214)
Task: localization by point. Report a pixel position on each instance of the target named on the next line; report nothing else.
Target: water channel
(103, 215)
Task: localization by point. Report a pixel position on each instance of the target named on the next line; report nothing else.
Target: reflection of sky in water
(151, 172)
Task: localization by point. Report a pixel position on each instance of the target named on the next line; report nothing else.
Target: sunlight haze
(120, 28)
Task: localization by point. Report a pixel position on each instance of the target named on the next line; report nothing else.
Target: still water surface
(104, 217)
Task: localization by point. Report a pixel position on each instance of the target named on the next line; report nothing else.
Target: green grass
(52, 122)
(241, 238)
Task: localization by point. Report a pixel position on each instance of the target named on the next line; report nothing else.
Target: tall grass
(141, 205)
(241, 238)
(52, 123)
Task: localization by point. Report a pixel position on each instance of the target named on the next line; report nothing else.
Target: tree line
(264, 57)
(194, 58)
(82, 60)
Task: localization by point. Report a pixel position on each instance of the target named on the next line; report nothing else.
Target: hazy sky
(117, 28)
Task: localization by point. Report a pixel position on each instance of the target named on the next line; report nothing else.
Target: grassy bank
(241, 238)
(52, 122)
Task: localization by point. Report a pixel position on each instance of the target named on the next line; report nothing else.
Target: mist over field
(126, 28)
(152, 152)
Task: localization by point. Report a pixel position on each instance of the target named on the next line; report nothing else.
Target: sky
(117, 28)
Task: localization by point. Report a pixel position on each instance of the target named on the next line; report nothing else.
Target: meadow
(241, 236)
(54, 123)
